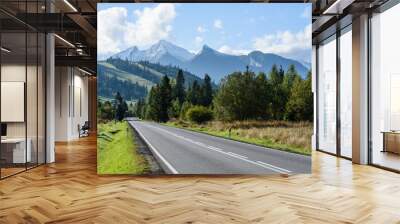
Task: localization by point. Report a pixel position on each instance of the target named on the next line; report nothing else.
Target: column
(360, 90)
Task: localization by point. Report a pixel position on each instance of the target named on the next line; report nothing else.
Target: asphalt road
(182, 151)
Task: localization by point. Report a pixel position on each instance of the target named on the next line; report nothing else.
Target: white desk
(19, 154)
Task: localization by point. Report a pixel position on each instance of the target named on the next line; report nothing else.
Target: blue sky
(284, 29)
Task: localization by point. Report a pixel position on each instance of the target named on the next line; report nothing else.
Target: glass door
(346, 92)
(14, 156)
(385, 89)
(22, 90)
(327, 95)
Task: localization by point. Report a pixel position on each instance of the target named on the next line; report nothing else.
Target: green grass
(247, 135)
(116, 150)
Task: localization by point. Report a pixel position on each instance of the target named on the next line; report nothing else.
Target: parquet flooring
(70, 191)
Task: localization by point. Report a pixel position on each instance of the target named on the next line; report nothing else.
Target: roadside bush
(184, 109)
(199, 114)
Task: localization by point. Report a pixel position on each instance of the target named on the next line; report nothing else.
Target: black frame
(339, 32)
(31, 30)
(382, 8)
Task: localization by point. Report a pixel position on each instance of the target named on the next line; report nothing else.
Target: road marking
(234, 154)
(170, 167)
(279, 168)
(241, 157)
(215, 148)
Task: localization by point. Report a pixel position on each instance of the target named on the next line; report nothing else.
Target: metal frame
(338, 34)
(369, 78)
(387, 5)
(381, 9)
(338, 75)
(44, 74)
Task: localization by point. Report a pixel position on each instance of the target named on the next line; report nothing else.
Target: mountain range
(208, 60)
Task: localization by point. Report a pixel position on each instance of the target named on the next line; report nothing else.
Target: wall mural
(204, 88)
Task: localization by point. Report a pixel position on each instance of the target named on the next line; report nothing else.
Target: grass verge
(116, 150)
(292, 137)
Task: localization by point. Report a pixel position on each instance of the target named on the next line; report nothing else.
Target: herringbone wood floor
(70, 191)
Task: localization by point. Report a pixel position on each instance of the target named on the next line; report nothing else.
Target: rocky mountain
(208, 60)
(162, 52)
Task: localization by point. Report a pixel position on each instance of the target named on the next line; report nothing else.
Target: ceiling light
(86, 72)
(337, 7)
(64, 40)
(5, 50)
(70, 5)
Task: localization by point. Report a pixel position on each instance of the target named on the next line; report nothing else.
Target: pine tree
(138, 111)
(165, 98)
(278, 102)
(153, 107)
(300, 104)
(194, 93)
(121, 107)
(206, 91)
(263, 95)
(178, 91)
(289, 79)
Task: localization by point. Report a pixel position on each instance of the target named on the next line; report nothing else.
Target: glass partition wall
(22, 98)
(327, 95)
(385, 89)
(345, 90)
(334, 104)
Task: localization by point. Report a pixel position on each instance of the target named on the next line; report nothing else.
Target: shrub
(199, 114)
(184, 109)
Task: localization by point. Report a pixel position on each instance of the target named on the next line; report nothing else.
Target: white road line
(215, 148)
(279, 168)
(244, 158)
(170, 167)
(232, 153)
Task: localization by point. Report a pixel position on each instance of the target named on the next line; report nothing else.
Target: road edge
(236, 140)
(167, 167)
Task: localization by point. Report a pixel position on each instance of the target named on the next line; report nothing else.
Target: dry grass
(294, 136)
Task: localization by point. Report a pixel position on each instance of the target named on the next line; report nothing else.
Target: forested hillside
(133, 80)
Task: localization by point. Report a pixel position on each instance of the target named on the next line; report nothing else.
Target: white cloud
(201, 29)
(286, 43)
(198, 40)
(116, 32)
(218, 24)
(228, 50)
(111, 24)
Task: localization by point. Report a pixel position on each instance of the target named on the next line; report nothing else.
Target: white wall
(71, 94)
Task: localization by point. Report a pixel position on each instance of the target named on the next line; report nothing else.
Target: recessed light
(64, 40)
(5, 50)
(86, 72)
(70, 5)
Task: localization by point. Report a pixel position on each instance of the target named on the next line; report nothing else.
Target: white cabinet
(19, 155)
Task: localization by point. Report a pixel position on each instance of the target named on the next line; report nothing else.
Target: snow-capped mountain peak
(155, 52)
(208, 60)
